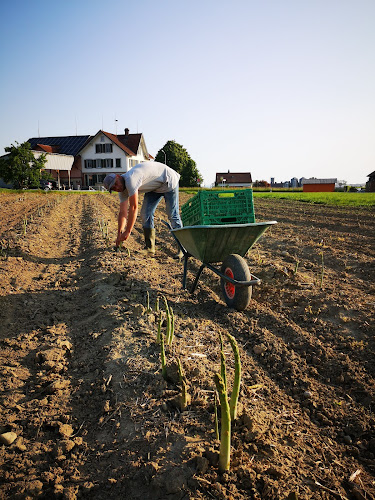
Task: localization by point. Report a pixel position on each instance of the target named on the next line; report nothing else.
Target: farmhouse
(235, 179)
(85, 160)
(318, 185)
(370, 184)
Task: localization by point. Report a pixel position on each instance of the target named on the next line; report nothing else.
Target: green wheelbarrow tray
(212, 244)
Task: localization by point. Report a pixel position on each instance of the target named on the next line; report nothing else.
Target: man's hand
(121, 237)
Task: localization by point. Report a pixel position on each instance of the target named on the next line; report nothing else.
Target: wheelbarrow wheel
(238, 297)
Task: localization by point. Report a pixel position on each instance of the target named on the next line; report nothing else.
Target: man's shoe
(149, 234)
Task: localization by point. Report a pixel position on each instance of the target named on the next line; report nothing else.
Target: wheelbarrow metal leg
(197, 278)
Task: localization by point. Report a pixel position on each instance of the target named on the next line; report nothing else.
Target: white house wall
(89, 153)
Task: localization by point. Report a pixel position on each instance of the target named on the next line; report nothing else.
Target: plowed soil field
(85, 411)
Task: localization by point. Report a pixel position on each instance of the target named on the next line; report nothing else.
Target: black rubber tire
(236, 297)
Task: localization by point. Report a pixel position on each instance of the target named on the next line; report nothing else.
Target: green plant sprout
(216, 418)
(296, 267)
(184, 399)
(24, 225)
(171, 330)
(163, 358)
(158, 336)
(170, 323)
(237, 378)
(225, 431)
(121, 247)
(223, 371)
(103, 226)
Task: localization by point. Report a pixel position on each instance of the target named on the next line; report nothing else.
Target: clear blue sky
(280, 88)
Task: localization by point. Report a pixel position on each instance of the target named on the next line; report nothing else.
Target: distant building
(370, 184)
(319, 185)
(235, 179)
(85, 160)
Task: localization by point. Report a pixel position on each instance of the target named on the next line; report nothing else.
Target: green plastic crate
(209, 208)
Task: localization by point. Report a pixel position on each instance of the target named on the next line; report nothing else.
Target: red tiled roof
(46, 148)
(131, 141)
(231, 177)
(117, 140)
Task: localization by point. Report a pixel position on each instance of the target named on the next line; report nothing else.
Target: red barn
(319, 185)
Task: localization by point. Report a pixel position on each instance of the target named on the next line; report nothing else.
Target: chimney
(126, 131)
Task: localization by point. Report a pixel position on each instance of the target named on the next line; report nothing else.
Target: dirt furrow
(21, 209)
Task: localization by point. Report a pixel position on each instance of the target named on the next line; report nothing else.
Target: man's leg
(173, 212)
(150, 202)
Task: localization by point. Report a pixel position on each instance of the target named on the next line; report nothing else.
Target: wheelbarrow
(227, 244)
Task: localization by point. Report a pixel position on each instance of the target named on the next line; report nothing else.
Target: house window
(118, 162)
(103, 148)
(132, 163)
(90, 163)
(106, 163)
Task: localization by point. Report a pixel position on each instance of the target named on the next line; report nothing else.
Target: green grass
(343, 199)
(336, 198)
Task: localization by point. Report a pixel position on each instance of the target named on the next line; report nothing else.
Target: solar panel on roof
(69, 145)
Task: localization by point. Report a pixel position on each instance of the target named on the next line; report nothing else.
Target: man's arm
(132, 210)
(122, 216)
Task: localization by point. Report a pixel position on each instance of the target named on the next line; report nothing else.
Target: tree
(190, 176)
(21, 167)
(261, 184)
(176, 157)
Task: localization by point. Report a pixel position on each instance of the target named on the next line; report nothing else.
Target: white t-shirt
(149, 176)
